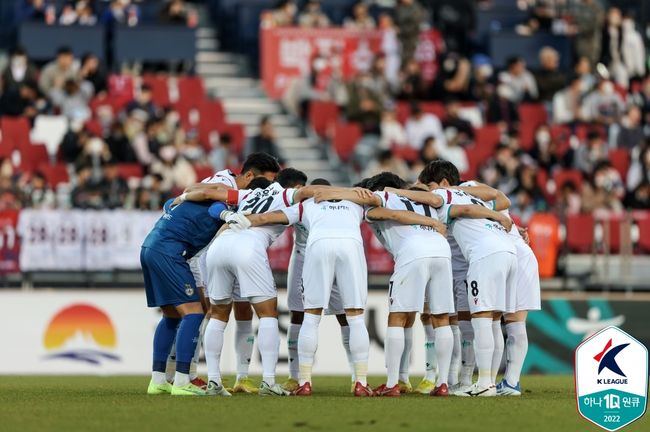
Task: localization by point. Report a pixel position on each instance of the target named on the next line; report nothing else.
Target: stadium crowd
(598, 107)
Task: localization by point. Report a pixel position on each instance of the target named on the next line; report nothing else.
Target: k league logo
(611, 373)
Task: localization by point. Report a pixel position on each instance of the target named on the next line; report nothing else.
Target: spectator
(603, 105)
(365, 103)
(452, 152)
(144, 102)
(86, 194)
(73, 142)
(265, 141)
(542, 14)
(453, 78)
(519, 80)
(604, 191)
(500, 172)
(409, 18)
(583, 72)
(192, 149)
(391, 50)
(32, 10)
(633, 49)
(312, 16)
(68, 15)
(639, 198)
(481, 87)
(92, 73)
(20, 101)
(549, 79)
(545, 151)
(380, 84)
(284, 14)
(421, 126)
(86, 14)
(456, 20)
(176, 171)
(386, 161)
(567, 103)
(527, 175)
(55, 74)
(360, 19)
(116, 13)
(501, 109)
(639, 172)
(113, 187)
(37, 194)
(589, 155)
(392, 132)
(223, 155)
(631, 133)
(523, 206)
(150, 195)
(569, 201)
(174, 12)
(18, 71)
(456, 128)
(587, 18)
(413, 86)
(119, 145)
(73, 99)
(429, 151)
(94, 154)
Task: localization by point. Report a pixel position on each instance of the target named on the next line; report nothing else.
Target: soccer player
(242, 256)
(297, 311)
(257, 164)
(492, 263)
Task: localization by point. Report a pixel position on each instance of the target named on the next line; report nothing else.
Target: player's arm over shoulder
(405, 217)
(356, 195)
(474, 211)
(277, 217)
(429, 198)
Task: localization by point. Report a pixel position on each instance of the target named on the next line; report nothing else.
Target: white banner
(111, 332)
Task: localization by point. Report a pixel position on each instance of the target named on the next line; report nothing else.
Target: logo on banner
(611, 373)
(82, 333)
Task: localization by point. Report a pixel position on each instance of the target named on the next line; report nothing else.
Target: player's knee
(265, 307)
(220, 310)
(243, 311)
(519, 316)
(190, 308)
(464, 316)
(397, 319)
(425, 318)
(496, 316)
(410, 319)
(353, 312)
(440, 320)
(453, 320)
(297, 317)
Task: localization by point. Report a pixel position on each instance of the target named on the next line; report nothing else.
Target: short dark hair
(320, 182)
(384, 180)
(513, 60)
(439, 170)
(363, 183)
(291, 177)
(145, 88)
(259, 163)
(259, 183)
(64, 50)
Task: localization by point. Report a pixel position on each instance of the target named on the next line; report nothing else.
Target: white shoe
(475, 390)
(274, 390)
(216, 389)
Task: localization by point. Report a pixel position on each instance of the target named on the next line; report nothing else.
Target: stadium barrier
(110, 332)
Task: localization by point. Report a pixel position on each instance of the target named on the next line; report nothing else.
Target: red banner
(9, 243)
(289, 53)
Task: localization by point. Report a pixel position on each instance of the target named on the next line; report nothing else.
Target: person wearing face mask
(545, 151)
(501, 109)
(604, 191)
(18, 71)
(175, 170)
(283, 14)
(590, 154)
(566, 103)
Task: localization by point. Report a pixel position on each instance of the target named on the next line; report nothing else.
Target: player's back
(409, 242)
(477, 238)
(332, 219)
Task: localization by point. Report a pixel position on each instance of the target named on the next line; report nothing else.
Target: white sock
(468, 361)
(170, 368)
(454, 367)
(431, 363)
(359, 347)
(159, 377)
(213, 345)
(345, 338)
(292, 346)
(307, 346)
(181, 379)
(197, 352)
(405, 361)
(497, 333)
(444, 348)
(516, 349)
(268, 337)
(483, 349)
(244, 340)
(394, 348)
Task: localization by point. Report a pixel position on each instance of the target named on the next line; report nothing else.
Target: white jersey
(273, 198)
(477, 238)
(300, 236)
(327, 219)
(459, 264)
(408, 242)
(225, 177)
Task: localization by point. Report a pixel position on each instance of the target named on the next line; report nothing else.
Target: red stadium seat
(203, 172)
(237, 134)
(34, 156)
(580, 233)
(190, 89)
(474, 158)
(322, 114)
(15, 132)
(562, 176)
(486, 139)
(614, 239)
(130, 170)
(55, 174)
(407, 153)
(159, 88)
(531, 116)
(346, 136)
(643, 222)
(620, 159)
(211, 114)
(402, 111)
(121, 86)
(435, 108)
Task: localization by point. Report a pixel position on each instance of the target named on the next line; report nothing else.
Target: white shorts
(491, 283)
(527, 282)
(240, 258)
(460, 295)
(415, 280)
(295, 289)
(338, 259)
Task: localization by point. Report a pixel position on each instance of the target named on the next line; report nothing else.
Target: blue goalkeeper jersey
(185, 229)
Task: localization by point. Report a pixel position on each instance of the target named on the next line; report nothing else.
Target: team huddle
(459, 261)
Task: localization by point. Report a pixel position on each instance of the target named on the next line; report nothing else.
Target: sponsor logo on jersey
(189, 290)
(611, 373)
(83, 333)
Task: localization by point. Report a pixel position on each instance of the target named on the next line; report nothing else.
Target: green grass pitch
(120, 404)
